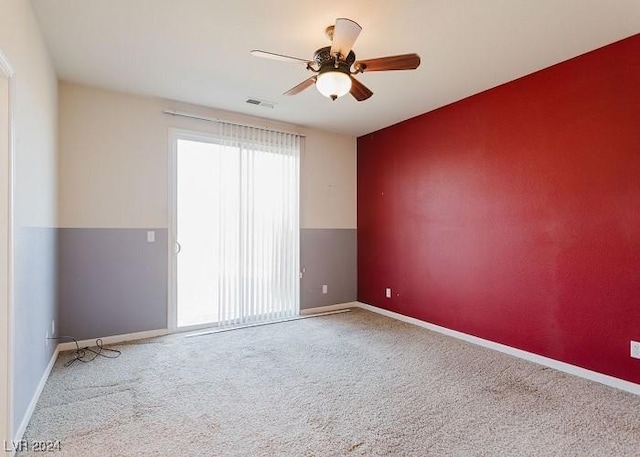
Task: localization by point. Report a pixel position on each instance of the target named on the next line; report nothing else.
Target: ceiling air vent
(263, 103)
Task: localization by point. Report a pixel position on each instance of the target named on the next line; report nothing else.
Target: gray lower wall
(34, 309)
(328, 256)
(111, 281)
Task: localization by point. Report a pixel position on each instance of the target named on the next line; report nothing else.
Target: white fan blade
(274, 56)
(345, 34)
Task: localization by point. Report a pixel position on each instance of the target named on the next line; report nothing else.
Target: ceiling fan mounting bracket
(329, 31)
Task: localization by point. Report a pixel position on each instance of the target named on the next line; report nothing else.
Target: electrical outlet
(388, 292)
(325, 289)
(635, 349)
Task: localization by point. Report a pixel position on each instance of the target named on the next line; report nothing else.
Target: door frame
(7, 259)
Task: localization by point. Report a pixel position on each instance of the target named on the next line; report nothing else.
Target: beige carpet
(347, 384)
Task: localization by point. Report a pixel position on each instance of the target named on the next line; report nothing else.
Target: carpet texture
(355, 384)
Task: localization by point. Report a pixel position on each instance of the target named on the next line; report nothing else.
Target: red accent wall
(514, 215)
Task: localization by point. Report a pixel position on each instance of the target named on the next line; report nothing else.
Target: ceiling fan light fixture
(333, 84)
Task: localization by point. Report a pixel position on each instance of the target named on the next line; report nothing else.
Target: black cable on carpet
(84, 355)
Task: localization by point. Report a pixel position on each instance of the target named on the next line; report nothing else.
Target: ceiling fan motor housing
(323, 57)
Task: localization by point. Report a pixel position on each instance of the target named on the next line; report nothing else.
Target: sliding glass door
(236, 228)
(198, 198)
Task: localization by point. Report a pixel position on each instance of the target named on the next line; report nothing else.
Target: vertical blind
(258, 275)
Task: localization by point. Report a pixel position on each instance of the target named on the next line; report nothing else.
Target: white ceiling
(197, 51)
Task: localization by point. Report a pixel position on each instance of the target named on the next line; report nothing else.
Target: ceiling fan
(335, 65)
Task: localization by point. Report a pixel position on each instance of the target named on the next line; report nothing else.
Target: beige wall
(35, 115)
(113, 165)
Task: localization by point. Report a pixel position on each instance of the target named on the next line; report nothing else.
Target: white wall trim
(172, 238)
(68, 346)
(324, 309)
(531, 357)
(7, 300)
(36, 396)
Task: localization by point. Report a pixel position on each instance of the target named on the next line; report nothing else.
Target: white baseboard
(325, 309)
(68, 346)
(19, 432)
(531, 357)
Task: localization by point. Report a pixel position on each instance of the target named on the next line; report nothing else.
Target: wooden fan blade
(281, 57)
(345, 34)
(302, 86)
(401, 62)
(359, 91)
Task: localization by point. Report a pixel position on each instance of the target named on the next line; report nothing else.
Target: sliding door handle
(178, 248)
